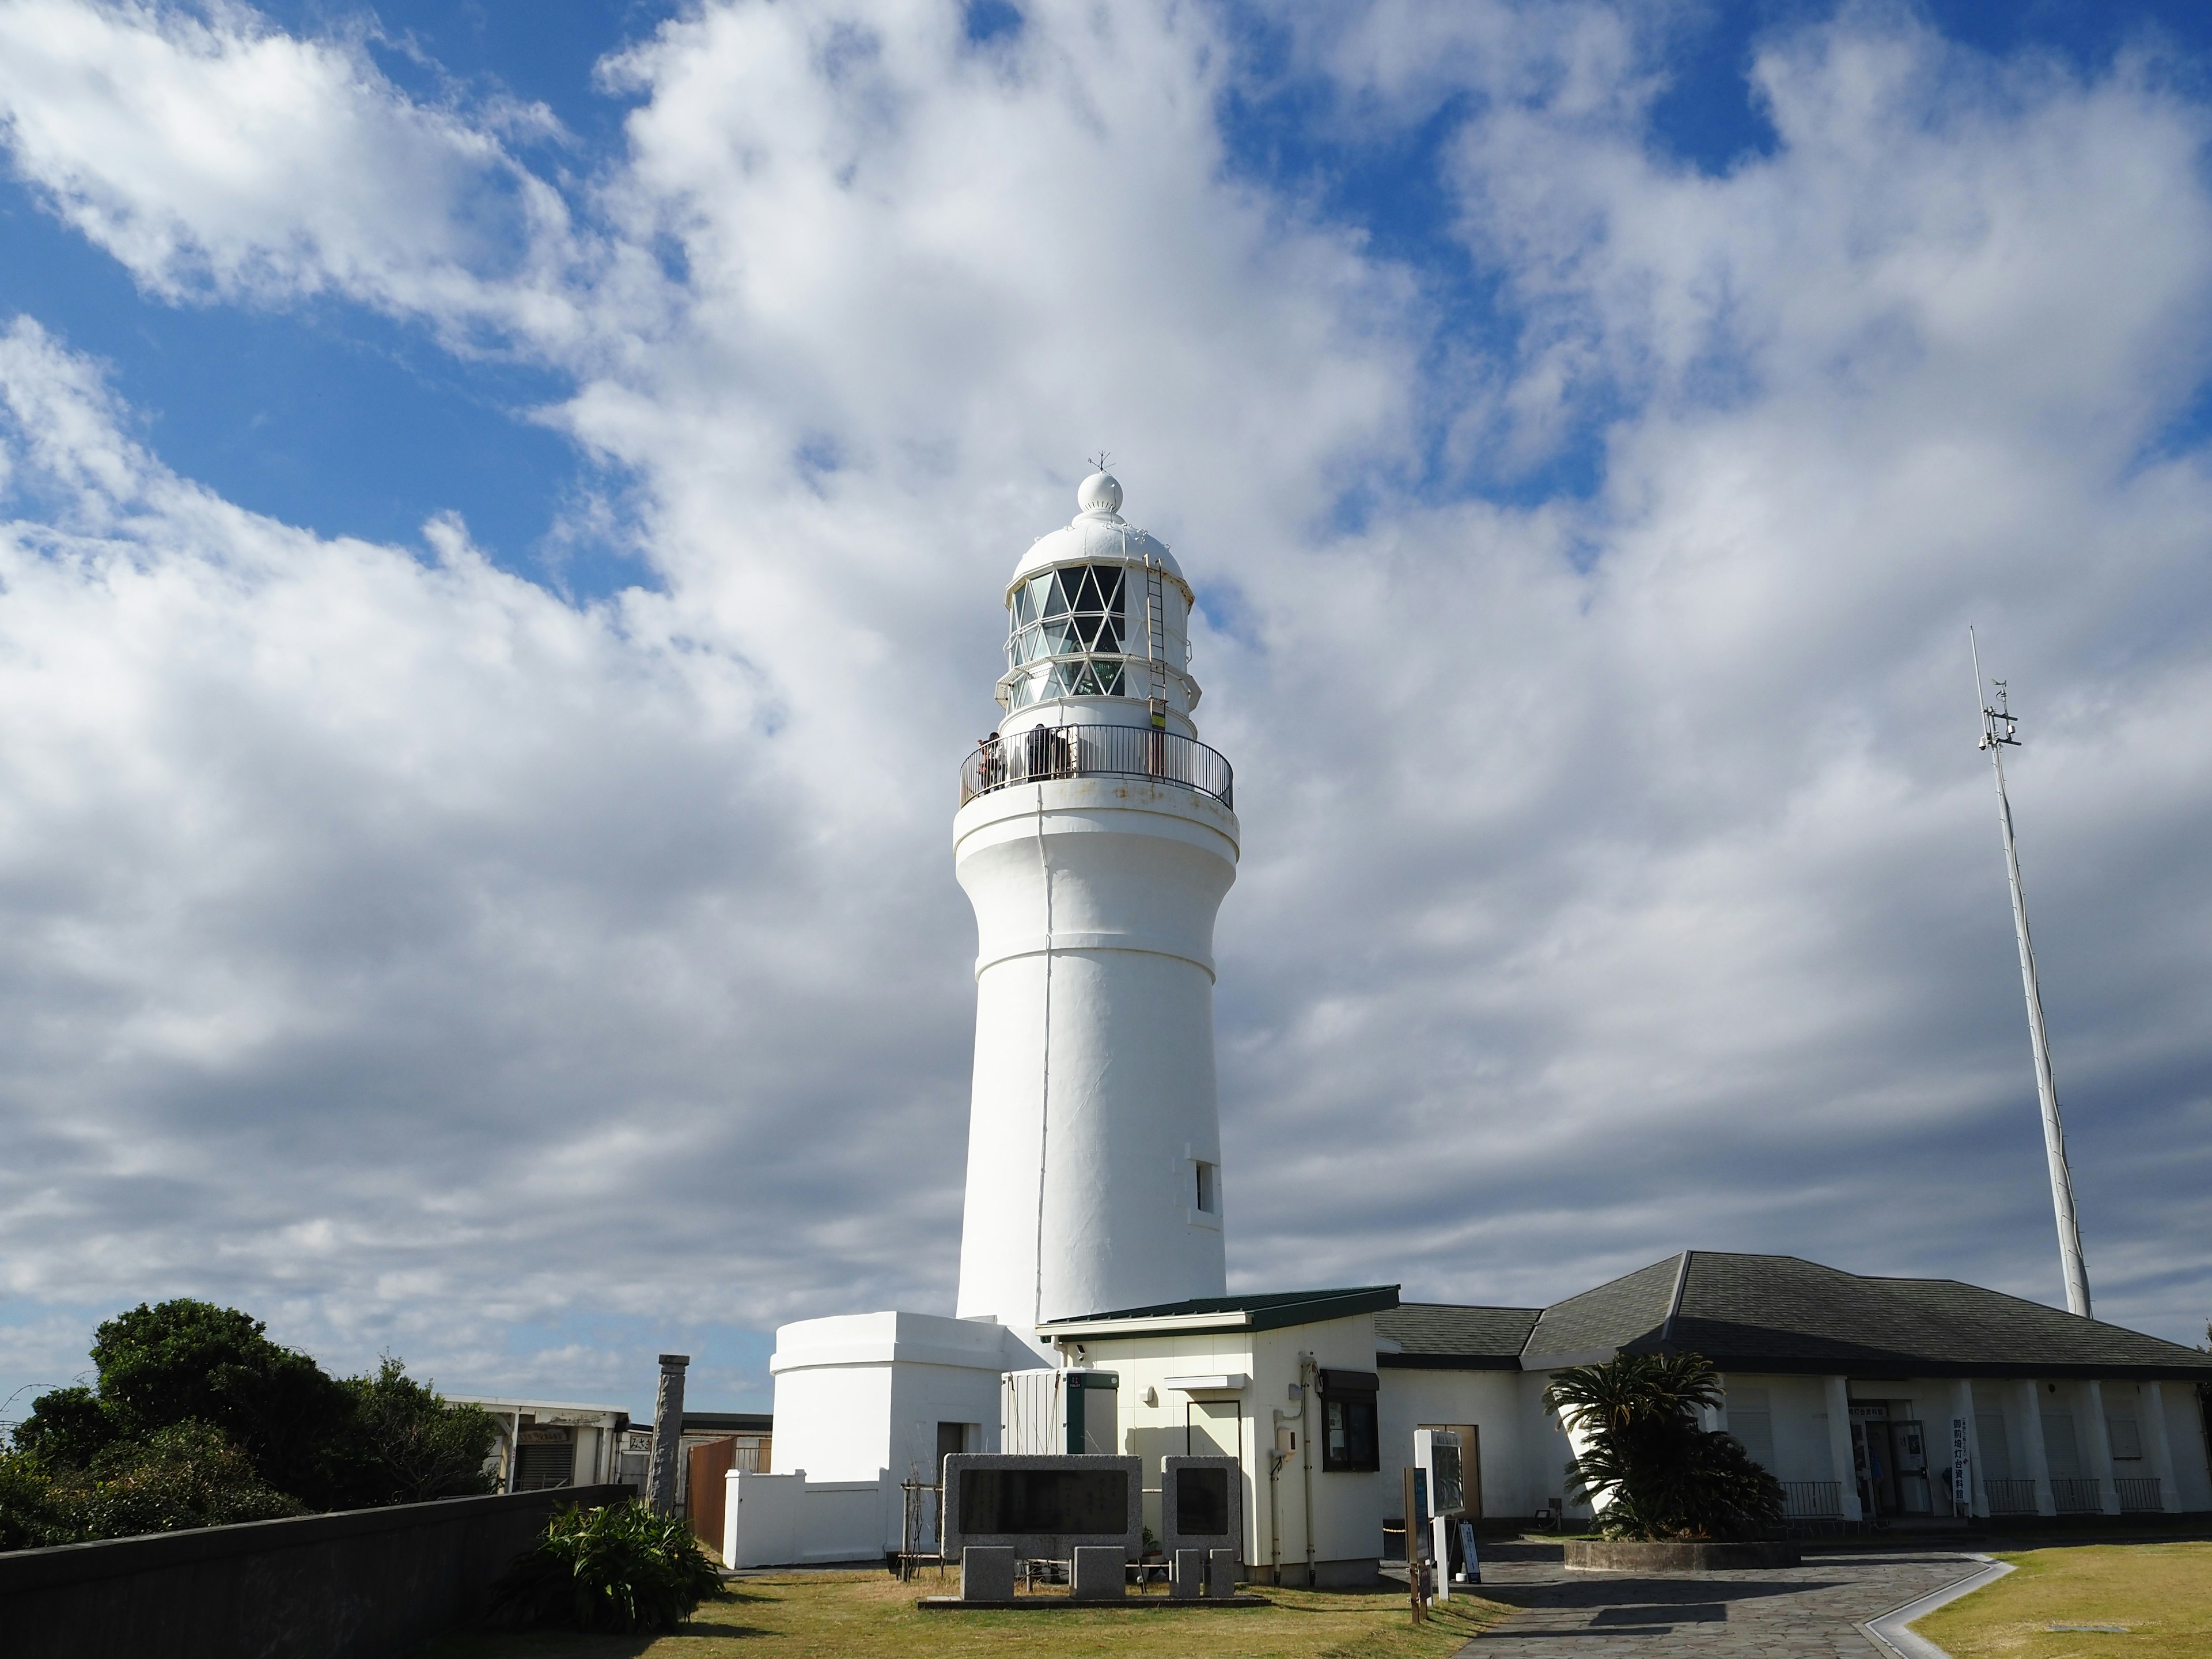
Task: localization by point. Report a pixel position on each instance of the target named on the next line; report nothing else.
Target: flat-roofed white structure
(551, 1443)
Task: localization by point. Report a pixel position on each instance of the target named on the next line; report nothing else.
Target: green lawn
(855, 1616)
(2162, 1593)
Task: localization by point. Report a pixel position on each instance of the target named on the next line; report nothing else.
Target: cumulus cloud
(401, 942)
(218, 157)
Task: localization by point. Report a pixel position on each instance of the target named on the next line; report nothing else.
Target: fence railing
(1813, 1500)
(2138, 1493)
(2010, 1496)
(1045, 752)
(2076, 1497)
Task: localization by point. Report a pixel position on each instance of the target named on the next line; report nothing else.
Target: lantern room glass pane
(1072, 612)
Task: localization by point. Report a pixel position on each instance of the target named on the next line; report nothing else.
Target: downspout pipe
(1306, 1372)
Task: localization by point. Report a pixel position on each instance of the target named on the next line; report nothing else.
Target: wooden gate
(706, 1490)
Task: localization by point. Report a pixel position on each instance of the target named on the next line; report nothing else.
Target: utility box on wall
(1062, 1413)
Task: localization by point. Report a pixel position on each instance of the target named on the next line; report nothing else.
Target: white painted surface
(788, 1519)
(1348, 1506)
(859, 1393)
(1094, 1081)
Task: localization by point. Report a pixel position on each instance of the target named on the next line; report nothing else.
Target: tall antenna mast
(1997, 724)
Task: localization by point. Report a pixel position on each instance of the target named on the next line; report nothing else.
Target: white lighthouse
(1096, 839)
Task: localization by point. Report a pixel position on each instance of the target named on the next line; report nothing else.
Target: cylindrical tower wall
(1094, 1141)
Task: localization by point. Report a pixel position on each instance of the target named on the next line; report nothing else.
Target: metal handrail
(1044, 752)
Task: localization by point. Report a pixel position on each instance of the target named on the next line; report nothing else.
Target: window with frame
(1349, 1442)
(1073, 612)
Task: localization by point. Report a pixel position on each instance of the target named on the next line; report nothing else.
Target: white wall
(1348, 1507)
(2185, 1430)
(1799, 1409)
(859, 1397)
(788, 1520)
(1094, 1074)
(1489, 1400)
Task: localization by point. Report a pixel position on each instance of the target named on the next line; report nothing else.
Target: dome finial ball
(1101, 492)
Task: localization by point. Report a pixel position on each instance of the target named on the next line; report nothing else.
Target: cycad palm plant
(1647, 1467)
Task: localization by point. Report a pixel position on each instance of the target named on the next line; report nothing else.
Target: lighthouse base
(865, 1403)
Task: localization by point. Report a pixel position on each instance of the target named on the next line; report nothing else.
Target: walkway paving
(1794, 1612)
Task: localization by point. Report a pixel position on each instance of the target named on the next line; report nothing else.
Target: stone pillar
(1839, 1393)
(2157, 1446)
(2098, 1454)
(2036, 1465)
(1962, 1405)
(660, 1474)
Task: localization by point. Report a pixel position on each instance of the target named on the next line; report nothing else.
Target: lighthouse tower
(1096, 839)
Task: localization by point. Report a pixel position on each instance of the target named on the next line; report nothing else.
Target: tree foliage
(199, 1420)
(619, 1568)
(184, 1475)
(403, 1444)
(1648, 1466)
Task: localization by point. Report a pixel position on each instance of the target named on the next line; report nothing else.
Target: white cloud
(217, 156)
(1619, 873)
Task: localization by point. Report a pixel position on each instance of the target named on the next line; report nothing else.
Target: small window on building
(2127, 1438)
(1349, 1442)
(1207, 1198)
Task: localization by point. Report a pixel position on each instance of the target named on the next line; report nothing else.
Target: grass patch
(868, 1615)
(2162, 1592)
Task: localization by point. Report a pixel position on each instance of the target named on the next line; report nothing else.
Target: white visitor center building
(1096, 838)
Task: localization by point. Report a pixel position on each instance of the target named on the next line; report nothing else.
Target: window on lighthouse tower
(1069, 621)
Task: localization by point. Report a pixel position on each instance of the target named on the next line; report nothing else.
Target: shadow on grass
(491, 1641)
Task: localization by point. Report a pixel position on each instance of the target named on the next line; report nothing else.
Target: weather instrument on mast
(1998, 726)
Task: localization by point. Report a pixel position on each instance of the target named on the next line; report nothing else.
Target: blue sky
(467, 465)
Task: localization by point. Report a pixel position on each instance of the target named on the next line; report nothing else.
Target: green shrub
(185, 1475)
(32, 1514)
(1649, 1467)
(622, 1568)
(403, 1444)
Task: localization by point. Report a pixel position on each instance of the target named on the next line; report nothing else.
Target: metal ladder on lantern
(1156, 633)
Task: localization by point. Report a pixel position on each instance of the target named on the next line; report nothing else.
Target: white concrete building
(1858, 1394)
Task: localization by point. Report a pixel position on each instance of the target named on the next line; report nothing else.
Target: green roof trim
(1272, 1311)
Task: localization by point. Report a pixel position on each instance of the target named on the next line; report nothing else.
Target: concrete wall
(358, 1585)
(788, 1519)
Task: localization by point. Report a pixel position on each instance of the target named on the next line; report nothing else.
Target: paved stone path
(1794, 1612)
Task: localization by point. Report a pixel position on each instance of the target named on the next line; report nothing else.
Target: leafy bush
(185, 1475)
(622, 1568)
(361, 1443)
(1649, 1467)
(402, 1443)
(32, 1514)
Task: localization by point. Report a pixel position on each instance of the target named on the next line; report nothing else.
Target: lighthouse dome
(1098, 532)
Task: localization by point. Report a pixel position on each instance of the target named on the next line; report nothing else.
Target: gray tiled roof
(1619, 1314)
(1441, 1336)
(1780, 1313)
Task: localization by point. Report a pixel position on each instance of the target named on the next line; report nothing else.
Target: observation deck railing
(1044, 752)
